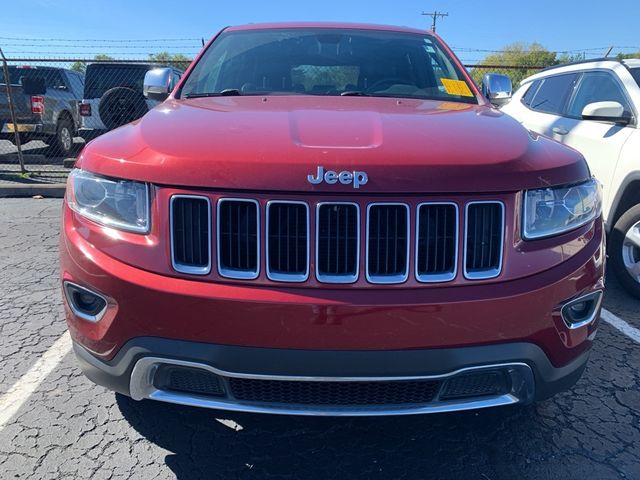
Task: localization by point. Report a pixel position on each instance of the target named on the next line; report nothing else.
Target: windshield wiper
(354, 93)
(227, 92)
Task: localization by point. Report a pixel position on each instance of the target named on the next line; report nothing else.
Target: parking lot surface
(66, 427)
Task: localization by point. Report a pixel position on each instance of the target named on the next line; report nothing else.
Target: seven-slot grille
(338, 240)
(288, 241)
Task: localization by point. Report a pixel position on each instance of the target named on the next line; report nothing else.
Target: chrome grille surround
(324, 278)
(286, 277)
(441, 277)
(177, 266)
(233, 273)
(388, 279)
(491, 272)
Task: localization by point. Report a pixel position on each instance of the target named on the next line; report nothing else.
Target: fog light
(84, 303)
(582, 310)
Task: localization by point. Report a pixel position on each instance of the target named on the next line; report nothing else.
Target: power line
(102, 40)
(434, 17)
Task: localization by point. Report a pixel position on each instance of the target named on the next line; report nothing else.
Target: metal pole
(12, 111)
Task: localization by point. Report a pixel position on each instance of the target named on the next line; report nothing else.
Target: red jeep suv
(330, 219)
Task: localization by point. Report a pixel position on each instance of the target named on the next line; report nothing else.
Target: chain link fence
(50, 107)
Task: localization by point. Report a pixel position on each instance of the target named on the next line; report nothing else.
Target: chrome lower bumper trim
(142, 387)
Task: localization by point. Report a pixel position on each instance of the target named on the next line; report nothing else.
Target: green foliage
(177, 60)
(622, 56)
(82, 66)
(519, 55)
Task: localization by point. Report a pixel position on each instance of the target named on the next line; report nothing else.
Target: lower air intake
(334, 393)
(476, 385)
(187, 380)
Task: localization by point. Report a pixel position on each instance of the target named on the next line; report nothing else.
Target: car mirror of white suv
(605, 112)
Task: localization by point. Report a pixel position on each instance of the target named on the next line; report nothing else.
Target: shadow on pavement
(461, 445)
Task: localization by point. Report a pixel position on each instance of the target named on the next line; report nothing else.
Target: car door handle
(560, 130)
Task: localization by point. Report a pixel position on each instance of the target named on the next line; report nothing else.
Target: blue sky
(557, 24)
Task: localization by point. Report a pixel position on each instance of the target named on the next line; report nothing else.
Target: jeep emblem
(356, 177)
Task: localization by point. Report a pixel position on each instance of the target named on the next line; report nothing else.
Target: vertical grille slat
(387, 242)
(238, 239)
(484, 240)
(190, 234)
(337, 242)
(436, 242)
(287, 241)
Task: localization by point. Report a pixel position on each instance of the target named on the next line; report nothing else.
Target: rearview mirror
(497, 88)
(157, 84)
(33, 85)
(606, 112)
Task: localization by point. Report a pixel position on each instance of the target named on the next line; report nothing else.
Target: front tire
(624, 250)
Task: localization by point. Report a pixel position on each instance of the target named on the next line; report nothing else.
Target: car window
(102, 77)
(77, 83)
(596, 87)
(552, 94)
(52, 77)
(531, 92)
(635, 73)
(329, 62)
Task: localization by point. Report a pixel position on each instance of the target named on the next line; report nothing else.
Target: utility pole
(434, 17)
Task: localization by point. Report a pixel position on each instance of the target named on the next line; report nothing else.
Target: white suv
(594, 107)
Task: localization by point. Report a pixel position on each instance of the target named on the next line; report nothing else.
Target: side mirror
(606, 112)
(33, 85)
(157, 84)
(497, 88)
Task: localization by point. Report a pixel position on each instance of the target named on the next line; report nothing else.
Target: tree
(177, 60)
(622, 56)
(82, 66)
(518, 55)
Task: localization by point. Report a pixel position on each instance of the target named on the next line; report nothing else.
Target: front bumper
(531, 376)
(333, 335)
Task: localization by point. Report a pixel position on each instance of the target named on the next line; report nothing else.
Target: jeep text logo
(345, 177)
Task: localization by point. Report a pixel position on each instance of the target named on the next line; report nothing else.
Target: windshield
(328, 62)
(635, 73)
(100, 78)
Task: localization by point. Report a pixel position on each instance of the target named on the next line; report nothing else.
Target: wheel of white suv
(624, 250)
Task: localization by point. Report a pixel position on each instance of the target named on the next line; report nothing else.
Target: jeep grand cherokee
(329, 219)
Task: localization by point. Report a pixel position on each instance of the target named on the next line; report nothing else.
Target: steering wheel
(386, 81)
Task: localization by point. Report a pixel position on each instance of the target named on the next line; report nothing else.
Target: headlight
(552, 211)
(120, 204)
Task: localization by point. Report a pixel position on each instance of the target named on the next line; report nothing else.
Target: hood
(275, 143)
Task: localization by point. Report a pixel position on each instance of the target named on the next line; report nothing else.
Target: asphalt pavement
(62, 426)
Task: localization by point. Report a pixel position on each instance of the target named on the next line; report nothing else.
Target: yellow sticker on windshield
(456, 87)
